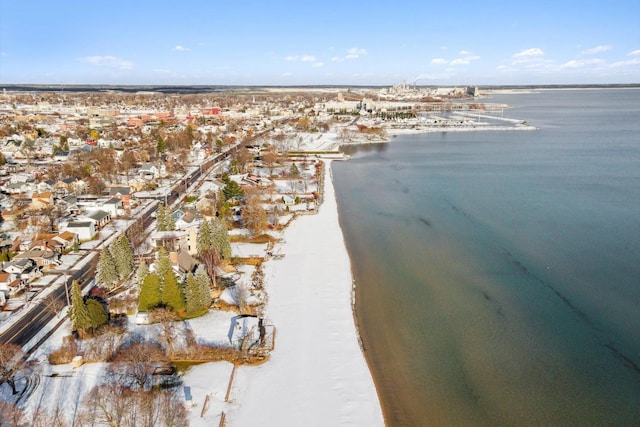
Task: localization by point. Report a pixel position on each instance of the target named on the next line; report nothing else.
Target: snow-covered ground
(317, 374)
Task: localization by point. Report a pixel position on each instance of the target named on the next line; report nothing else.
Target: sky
(203, 42)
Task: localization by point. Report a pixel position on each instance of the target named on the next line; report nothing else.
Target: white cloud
(353, 53)
(597, 49)
(465, 59)
(107, 61)
(180, 48)
(581, 63)
(161, 70)
(459, 61)
(504, 68)
(528, 56)
(633, 61)
(318, 64)
(529, 53)
(634, 53)
(303, 58)
(287, 74)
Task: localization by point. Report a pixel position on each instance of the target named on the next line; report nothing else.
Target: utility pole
(66, 290)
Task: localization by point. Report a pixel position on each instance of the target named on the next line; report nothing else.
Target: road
(27, 326)
(38, 315)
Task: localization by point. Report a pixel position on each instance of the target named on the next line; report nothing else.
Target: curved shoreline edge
(317, 374)
(354, 312)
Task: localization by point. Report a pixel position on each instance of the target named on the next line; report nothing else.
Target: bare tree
(118, 406)
(134, 364)
(11, 415)
(166, 317)
(270, 158)
(253, 213)
(53, 304)
(109, 404)
(13, 363)
(243, 157)
(135, 234)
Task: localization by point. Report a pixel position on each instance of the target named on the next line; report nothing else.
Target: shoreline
(317, 374)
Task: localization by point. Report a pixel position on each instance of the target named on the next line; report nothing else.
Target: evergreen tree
(106, 271)
(205, 247)
(143, 270)
(222, 243)
(97, 313)
(161, 218)
(122, 256)
(161, 145)
(204, 292)
(191, 295)
(213, 244)
(170, 221)
(149, 293)
(172, 294)
(232, 189)
(163, 264)
(78, 313)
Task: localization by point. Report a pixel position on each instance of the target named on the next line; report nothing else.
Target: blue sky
(319, 42)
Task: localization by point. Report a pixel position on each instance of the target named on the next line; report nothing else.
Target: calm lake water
(498, 273)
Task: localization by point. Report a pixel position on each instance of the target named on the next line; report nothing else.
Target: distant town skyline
(320, 43)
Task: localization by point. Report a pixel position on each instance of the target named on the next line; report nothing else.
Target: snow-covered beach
(317, 375)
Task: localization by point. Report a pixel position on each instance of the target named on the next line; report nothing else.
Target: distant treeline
(196, 89)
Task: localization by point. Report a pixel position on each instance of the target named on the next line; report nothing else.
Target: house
(9, 285)
(25, 269)
(183, 262)
(19, 187)
(69, 204)
(44, 186)
(170, 240)
(123, 193)
(150, 171)
(67, 239)
(45, 242)
(113, 207)
(61, 156)
(40, 201)
(43, 258)
(57, 242)
(100, 217)
(70, 186)
(185, 219)
(85, 230)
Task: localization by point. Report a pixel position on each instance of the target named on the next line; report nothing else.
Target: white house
(85, 230)
(9, 285)
(152, 171)
(99, 217)
(113, 207)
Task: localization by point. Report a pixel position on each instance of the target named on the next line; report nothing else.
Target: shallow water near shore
(498, 273)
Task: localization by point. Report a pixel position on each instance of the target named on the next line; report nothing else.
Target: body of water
(498, 273)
